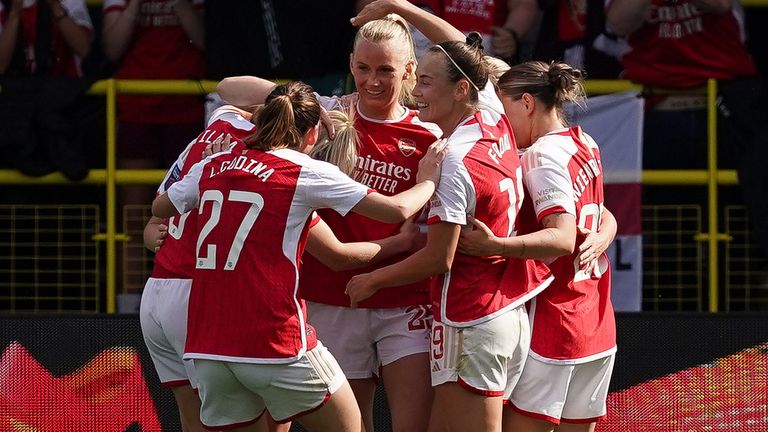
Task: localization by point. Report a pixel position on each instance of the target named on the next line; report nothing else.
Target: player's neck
(544, 126)
(450, 122)
(384, 113)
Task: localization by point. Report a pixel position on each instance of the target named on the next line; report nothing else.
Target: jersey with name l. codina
(253, 213)
(573, 319)
(176, 258)
(387, 161)
(481, 177)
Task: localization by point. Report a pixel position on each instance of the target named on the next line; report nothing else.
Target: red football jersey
(159, 49)
(176, 258)
(63, 61)
(254, 208)
(482, 177)
(478, 15)
(573, 318)
(387, 161)
(681, 47)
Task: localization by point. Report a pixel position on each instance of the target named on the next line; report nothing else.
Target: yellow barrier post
(712, 189)
(111, 196)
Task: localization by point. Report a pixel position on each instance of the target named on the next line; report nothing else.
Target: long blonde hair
(342, 150)
(393, 28)
(496, 68)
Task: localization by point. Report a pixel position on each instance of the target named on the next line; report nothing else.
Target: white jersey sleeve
(548, 181)
(185, 194)
(454, 198)
(323, 185)
(330, 103)
(232, 114)
(333, 103)
(174, 173)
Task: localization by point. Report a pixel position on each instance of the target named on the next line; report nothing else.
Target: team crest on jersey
(407, 146)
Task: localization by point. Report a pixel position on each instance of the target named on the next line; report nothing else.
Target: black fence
(674, 372)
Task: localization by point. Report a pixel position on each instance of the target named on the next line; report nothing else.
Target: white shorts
(363, 340)
(236, 394)
(163, 317)
(573, 393)
(486, 358)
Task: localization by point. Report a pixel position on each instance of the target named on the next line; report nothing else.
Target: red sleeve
(549, 211)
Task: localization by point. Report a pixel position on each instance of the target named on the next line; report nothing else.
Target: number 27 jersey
(253, 211)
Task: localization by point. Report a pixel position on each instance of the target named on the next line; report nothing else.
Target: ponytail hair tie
(475, 40)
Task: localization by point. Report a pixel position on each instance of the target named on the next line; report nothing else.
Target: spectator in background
(569, 31)
(501, 23)
(272, 39)
(48, 37)
(154, 39)
(42, 44)
(679, 45)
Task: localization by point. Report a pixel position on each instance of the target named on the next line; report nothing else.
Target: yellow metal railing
(111, 177)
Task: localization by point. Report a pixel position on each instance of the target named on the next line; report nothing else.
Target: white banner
(616, 123)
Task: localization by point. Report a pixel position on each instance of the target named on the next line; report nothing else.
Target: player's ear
(529, 102)
(310, 139)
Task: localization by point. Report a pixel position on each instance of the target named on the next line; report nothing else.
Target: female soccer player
(480, 335)
(248, 335)
(163, 313)
(566, 376)
(388, 335)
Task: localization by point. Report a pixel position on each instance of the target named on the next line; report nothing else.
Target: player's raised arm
(433, 27)
(245, 92)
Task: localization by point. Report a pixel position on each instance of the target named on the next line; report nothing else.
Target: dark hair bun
(475, 40)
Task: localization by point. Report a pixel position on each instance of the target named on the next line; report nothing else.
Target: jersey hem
(236, 359)
(579, 360)
(517, 303)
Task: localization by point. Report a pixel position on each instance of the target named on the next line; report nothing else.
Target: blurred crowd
(51, 51)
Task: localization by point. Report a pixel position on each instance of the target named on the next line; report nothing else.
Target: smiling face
(379, 70)
(434, 92)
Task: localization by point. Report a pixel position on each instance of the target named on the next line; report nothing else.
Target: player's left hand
(359, 288)
(591, 249)
(162, 229)
(376, 10)
(480, 241)
(217, 146)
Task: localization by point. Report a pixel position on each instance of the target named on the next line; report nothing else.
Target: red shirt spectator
(681, 43)
(156, 39)
(68, 32)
